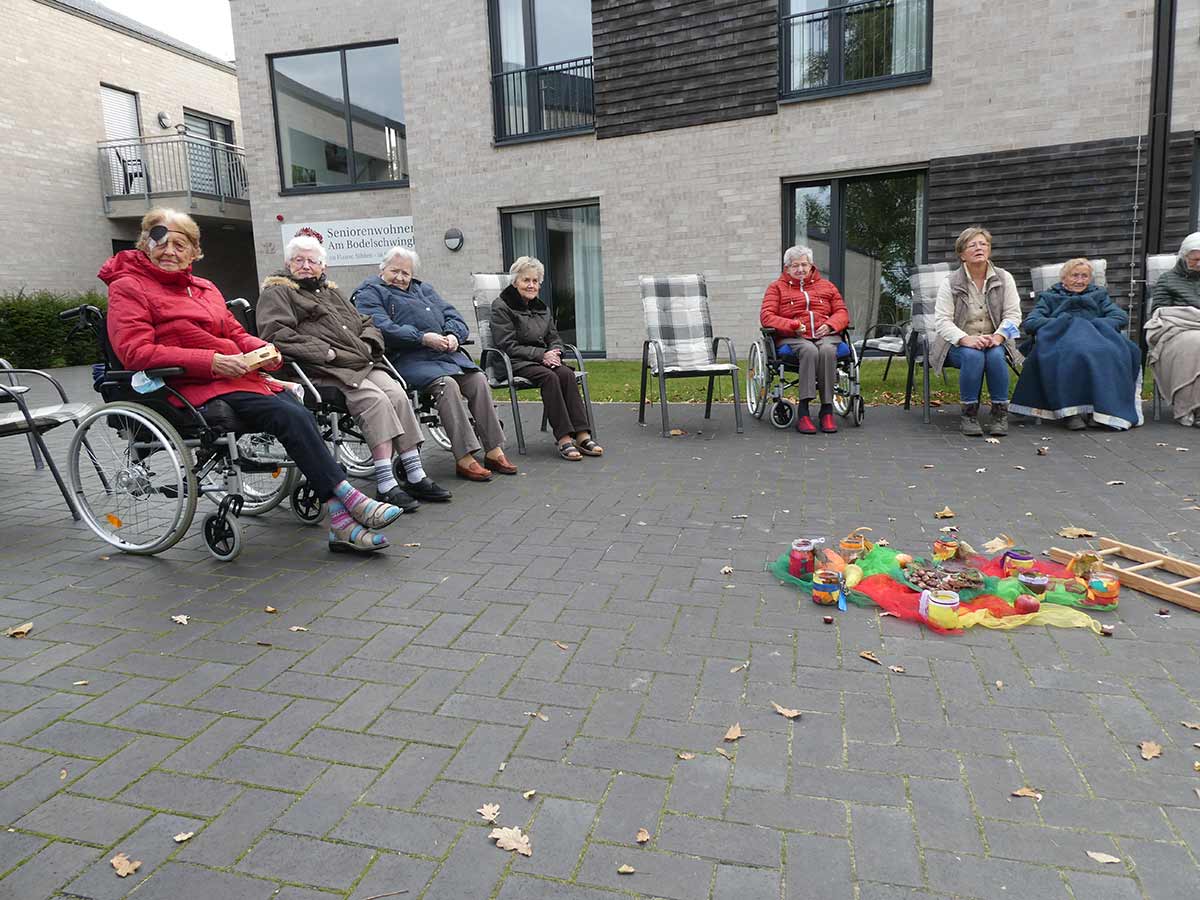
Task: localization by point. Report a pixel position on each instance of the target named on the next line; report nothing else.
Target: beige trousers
(459, 399)
(382, 409)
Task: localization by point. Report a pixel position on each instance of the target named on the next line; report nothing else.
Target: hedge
(32, 337)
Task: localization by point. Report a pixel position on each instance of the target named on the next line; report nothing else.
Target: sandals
(569, 451)
(355, 539)
(590, 448)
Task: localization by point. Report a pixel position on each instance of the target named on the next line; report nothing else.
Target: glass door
(567, 242)
(208, 153)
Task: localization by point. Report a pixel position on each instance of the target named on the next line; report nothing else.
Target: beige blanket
(1173, 334)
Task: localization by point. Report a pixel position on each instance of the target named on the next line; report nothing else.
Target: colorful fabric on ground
(885, 585)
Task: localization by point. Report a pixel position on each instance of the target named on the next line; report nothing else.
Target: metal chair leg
(708, 401)
(737, 407)
(662, 401)
(516, 413)
(33, 450)
(57, 477)
(888, 367)
(908, 387)
(587, 404)
(925, 417)
(642, 401)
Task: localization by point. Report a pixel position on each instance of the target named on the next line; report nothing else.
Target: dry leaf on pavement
(1072, 531)
(1027, 792)
(740, 516)
(944, 513)
(1043, 451)
(625, 869)
(270, 609)
(183, 836)
(993, 440)
(1195, 726)
(1150, 750)
(263, 643)
(529, 794)
(927, 466)
(489, 812)
(411, 545)
(999, 685)
(1019, 468)
(642, 836)
(62, 774)
(899, 670)
(784, 711)
(538, 715)
(1103, 857)
(1113, 483)
(685, 754)
(734, 732)
(80, 683)
(561, 646)
(124, 865)
(727, 570)
(870, 657)
(725, 753)
(19, 631)
(998, 543)
(512, 839)
(297, 628)
(182, 620)
(981, 470)
(739, 667)
(676, 432)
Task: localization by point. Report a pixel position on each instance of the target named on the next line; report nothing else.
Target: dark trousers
(560, 394)
(285, 417)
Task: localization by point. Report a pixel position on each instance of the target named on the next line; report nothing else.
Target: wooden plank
(1152, 564)
(1143, 583)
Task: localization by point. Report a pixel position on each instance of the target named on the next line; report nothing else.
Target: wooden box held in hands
(256, 359)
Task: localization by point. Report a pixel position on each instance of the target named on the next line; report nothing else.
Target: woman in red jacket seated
(162, 316)
(807, 314)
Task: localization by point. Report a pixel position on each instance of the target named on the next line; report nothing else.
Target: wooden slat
(1169, 592)
(1141, 554)
(1152, 564)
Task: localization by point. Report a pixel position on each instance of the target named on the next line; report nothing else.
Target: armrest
(387, 364)
(574, 351)
(308, 385)
(728, 345)
(508, 372)
(658, 354)
(50, 378)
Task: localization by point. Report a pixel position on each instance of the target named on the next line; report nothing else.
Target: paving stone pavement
(348, 760)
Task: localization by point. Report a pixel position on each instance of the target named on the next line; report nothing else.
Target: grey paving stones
(82, 819)
(289, 857)
(257, 767)
(395, 830)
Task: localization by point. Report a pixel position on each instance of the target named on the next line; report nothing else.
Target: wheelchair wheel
(133, 478)
(843, 400)
(757, 381)
(859, 412)
(222, 536)
(265, 482)
(306, 505)
(355, 457)
(782, 414)
(438, 435)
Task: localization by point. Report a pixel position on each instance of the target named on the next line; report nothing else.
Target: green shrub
(33, 337)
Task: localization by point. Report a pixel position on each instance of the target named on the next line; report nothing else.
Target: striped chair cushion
(1046, 277)
(486, 287)
(1156, 266)
(676, 312)
(925, 282)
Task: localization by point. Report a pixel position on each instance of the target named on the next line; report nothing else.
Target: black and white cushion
(675, 308)
(1046, 277)
(925, 281)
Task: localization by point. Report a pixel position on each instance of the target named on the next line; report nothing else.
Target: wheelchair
(138, 464)
(768, 378)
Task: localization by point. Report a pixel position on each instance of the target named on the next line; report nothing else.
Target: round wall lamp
(454, 240)
(164, 120)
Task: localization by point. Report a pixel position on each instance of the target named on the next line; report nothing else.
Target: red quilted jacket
(790, 304)
(159, 319)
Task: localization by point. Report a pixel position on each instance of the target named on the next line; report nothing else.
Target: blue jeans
(972, 365)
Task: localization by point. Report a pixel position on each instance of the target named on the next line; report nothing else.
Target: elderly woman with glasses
(311, 322)
(160, 315)
(422, 333)
(976, 318)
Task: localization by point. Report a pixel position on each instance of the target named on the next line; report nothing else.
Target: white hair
(1190, 243)
(403, 253)
(525, 264)
(302, 242)
(793, 253)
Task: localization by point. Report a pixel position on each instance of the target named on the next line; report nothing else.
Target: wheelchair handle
(87, 311)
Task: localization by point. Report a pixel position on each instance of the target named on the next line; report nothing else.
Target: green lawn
(618, 381)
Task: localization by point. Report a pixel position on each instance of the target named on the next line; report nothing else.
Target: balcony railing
(544, 100)
(855, 46)
(173, 165)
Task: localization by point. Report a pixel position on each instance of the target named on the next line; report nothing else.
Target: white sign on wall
(357, 242)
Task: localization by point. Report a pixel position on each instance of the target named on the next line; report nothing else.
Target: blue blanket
(1080, 366)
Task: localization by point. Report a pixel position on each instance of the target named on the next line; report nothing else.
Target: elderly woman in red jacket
(161, 316)
(808, 314)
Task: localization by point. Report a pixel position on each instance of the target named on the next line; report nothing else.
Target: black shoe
(397, 496)
(428, 490)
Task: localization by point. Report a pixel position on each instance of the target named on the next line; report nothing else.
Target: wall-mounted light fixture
(454, 240)
(164, 119)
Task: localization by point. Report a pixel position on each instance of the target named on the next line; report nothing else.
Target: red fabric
(790, 303)
(995, 567)
(159, 319)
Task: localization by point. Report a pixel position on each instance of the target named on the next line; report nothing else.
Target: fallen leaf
(1182, 449)
(784, 711)
(727, 570)
(739, 667)
(1196, 765)
(62, 774)
(998, 543)
(270, 609)
(538, 715)
(528, 795)
(725, 753)
(1088, 456)
(124, 865)
(263, 643)
(980, 471)
(1043, 451)
(183, 836)
(993, 440)
(1113, 483)
(999, 685)
(870, 657)
(948, 529)
(561, 646)
(676, 432)
(944, 513)
(1072, 531)
(1150, 750)
(414, 544)
(182, 620)
(642, 836)
(297, 628)
(625, 869)
(1159, 444)
(1027, 792)
(1195, 726)
(1019, 468)
(734, 732)
(685, 754)
(489, 812)
(927, 466)
(899, 670)
(1103, 857)
(79, 683)
(20, 631)
(742, 516)
(512, 839)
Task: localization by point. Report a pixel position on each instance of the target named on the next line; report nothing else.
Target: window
(339, 119)
(542, 67)
(829, 47)
(214, 164)
(567, 241)
(865, 233)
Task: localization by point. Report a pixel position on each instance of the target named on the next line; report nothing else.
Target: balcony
(855, 47)
(203, 177)
(544, 101)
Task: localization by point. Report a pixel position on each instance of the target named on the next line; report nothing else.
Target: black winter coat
(525, 331)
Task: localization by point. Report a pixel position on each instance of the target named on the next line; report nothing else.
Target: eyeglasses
(303, 261)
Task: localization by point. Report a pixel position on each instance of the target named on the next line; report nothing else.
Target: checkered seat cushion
(676, 311)
(925, 281)
(44, 417)
(1156, 266)
(1046, 277)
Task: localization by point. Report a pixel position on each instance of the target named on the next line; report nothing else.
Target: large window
(339, 119)
(567, 241)
(865, 233)
(541, 67)
(829, 47)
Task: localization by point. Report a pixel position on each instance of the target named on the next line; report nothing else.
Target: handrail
(563, 64)
(168, 138)
(555, 98)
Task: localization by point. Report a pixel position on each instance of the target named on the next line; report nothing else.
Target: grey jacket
(1000, 298)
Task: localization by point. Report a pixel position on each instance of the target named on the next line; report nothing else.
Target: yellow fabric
(1049, 614)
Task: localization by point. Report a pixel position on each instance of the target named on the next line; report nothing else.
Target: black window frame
(838, 87)
(212, 120)
(328, 188)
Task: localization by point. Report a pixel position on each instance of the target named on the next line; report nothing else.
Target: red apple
(1027, 603)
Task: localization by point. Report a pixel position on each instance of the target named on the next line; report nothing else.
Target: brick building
(101, 118)
(614, 138)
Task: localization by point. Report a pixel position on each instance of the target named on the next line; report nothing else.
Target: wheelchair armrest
(308, 385)
(387, 364)
(50, 378)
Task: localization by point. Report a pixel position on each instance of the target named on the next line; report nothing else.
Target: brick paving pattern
(348, 760)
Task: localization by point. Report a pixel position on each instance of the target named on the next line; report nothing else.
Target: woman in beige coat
(307, 318)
